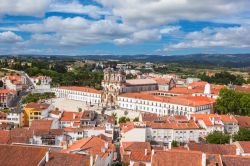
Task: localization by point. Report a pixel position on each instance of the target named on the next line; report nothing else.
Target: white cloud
(140, 36)
(77, 30)
(78, 8)
(9, 37)
(170, 29)
(158, 12)
(24, 7)
(234, 37)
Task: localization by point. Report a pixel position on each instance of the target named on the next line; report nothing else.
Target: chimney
(146, 152)
(203, 159)
(238, 151)
(91, 161)
(170, 145)
(65, 144)
(47, 157)
(106, 145)
(230, 140)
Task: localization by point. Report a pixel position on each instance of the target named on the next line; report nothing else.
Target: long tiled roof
(21, 155)
(7, 91)
(64, 159)
(93, 145)
(71, 116)
(136, 146)
(37, 106)
(213, 148)
(80, 88)
(41, 124)
(176, 158)
(134, 82)
(180, 100)
(234, 160)
(245, 145)
(243, 121)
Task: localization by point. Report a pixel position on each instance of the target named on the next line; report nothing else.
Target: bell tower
(112, 84)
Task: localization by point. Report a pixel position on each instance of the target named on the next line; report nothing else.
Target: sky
(124, 27)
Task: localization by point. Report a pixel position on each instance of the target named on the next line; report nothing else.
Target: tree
(233, 102)
(126, 113)
(136, 119)
(174, 143)
(123, 119)
(217, 138)
(242, 135)
(130, 76)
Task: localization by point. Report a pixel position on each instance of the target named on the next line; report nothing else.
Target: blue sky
(166, 27)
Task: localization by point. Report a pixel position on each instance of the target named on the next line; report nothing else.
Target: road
(17, 101)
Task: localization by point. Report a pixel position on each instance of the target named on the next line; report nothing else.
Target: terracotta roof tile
(176, 158)
(229, 160)
(243, 121)
(41, 124)
(80, 88)
(21, 155)
(181, 100)
(245, 145)
(64, 159)
(213, 148)
(37, 106)
(140, 156)
(71, 116)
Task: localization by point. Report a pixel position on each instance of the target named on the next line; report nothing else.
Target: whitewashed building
(85, 94)
(41, 83)
(15, 117)
(163, 105)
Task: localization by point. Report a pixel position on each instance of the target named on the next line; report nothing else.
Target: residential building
(6, 97)
(176, 158)
(214, 122)
(87, 95)
(133, 132)
(41, 156)
(101, 152)
(16, 117)
(15, 82)
(243, 147)
(131, 150)
(163, 105)
(41, 83)
(213, 148)
(22, 155)
(88, 118)
(71, 119)
(85, 132)
(35, 111)
(235, 160)
(243, 121)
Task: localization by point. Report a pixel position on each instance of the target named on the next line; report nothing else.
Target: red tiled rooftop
(234, 160)
(64, 159)
(181, 100)
(176, 158)
(243, 121)
(21, 155)
(80, 88)
(245, 145)
(41, 124)
(140, 156)
(71, 116)
(37, 106)
(213, 148)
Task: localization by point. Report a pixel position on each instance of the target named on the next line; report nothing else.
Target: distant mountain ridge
(226, 60)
